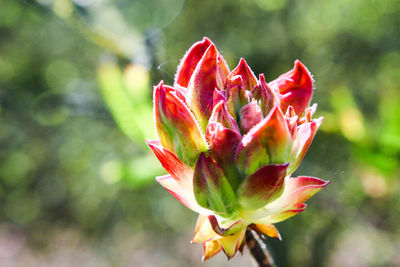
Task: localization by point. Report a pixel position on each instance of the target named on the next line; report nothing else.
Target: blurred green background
(77, 181)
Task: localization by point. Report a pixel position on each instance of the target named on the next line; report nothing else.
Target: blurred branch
(258, 250)
(96, 38)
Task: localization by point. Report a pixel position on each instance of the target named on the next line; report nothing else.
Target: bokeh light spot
(111, 171)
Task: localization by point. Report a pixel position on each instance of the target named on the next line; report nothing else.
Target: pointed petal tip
(171, 163)
(268, 230)
(206, 40)
(279, 237)
(317, 182)
(301, 206)
(209, 74)
(290, 112)
(190, 60)
(162, 177)
(261, 77)
(244, 70)
(299, 64)
(152, 143)
(210, 249)
(313, 182)
(212, 48)
(158, 87)
(230, 245)
(171, 112)
(227, 254)
(314, 107)
(326, 183)
(319, 121)
(300, 189)
(161, 83)
(296, 87)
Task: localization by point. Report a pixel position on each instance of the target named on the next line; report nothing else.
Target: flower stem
(258, 250)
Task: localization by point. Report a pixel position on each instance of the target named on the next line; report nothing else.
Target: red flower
(230, 142)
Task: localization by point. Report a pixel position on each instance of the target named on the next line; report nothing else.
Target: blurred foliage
(76, 180)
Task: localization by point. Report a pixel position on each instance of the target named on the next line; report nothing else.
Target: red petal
(250, 115)
(218, 97)
(290, 113)
(291, 119)
(190, 61)
(265, 94)
(223, 71)
(309, 112)
(236, 95)
(221, 115)
(303, 139)
(248, 77)
(266, 143)
(207, 76)
(179, 171)
(223, 144)
(295, 87)
(176, 127)
(263, 186)
(297, 191)
(301, 188)
(223, 141)
(181, 92)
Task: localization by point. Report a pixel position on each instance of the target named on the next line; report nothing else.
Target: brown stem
(258, 250)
